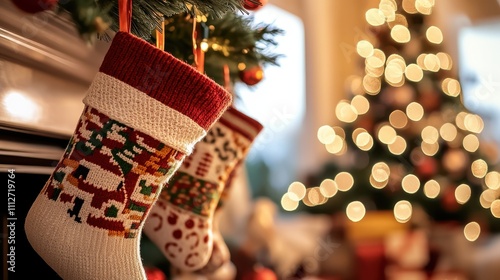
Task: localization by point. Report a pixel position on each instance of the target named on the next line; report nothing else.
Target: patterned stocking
(144, 112)
(181, 222)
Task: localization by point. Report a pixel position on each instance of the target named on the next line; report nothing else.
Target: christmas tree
(405, 137)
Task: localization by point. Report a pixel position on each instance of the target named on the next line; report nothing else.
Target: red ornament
(426, 167)
(260, 273)
(34, 6)
(252, 6)
(153, 273)
(252, 76)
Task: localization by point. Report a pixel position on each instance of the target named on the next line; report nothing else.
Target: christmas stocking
(181, 222)
(144, 112)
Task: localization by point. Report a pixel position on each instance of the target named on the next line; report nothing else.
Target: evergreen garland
(232, 40)
(94, 17)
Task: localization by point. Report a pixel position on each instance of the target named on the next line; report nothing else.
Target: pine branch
(93, 17)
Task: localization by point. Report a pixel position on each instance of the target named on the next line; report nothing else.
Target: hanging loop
(125, 15)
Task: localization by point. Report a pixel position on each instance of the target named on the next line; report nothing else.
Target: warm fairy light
(430, 149)
(242, 66)
(414, 73)
(420, 61)
(473, 123)
(409, 6)
(326, 134)
(431, 62)
(460, 120)
(432, 189)
(355, 211)
(399, 19)
(387, 134)
(344, 181)
(20, 106)
(393, 73)
(434, 35)
(388, 7)
(381, 172)
(374, 72)
(495, 208)
(314, 196)
(487, 197)
(364, 141)
(372, 85)
(403, 211)
(479, 168)
(415, 111)
(356, 132)
(472, 231)
(377, 60)
(297, 191)
(492, 180)
(361, 104)
(336, 146)
(463, 193)
(339, 131)
(397, 60)
(423, 6)
(328, 188)
(288, 203)
(398, 119)
(400, 33)
(444, 60)
(451, 87)
(364, 48)
(345, 112)
(377, 185)
(448, 132)
(375, 17)
(398, 147)
(410, 183)
(470, 143)
(430, 134)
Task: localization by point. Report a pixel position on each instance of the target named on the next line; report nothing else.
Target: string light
(378, 185)
(492, 180)
(326, 134)
(414, 73)
(471, 143)
(409, 6)
(361, 104)
(399, 146)
(448, 132)
(432, 63)
(336, 146)
(495, 208)
(398, 119)
(387, 134)
(473, 123)
(451, 87)
(328, 188)
(364, 48)
(355, 211)
(432, 189)
(487, 197)
(414, 111)
(297, 191)
(375, 17)
(380, 172)
(410, 183)
(479, 168)
(434, 35)
(400, 34)
(345, 112)
(288, 203)
(430, 149)
(403, 211)
(430, 134)
(444, 60)
(472, 231)
(462, 193)
(344, 181)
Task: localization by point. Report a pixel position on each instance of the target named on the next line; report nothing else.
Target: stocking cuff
(154, 92)
(241, 123)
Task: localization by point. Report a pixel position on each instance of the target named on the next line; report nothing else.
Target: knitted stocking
(144, 112)
(181, 222)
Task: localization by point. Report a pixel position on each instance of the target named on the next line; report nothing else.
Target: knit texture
(87, 220)
(181, 222)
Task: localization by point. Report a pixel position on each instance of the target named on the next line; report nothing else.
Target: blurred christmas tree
(406, 136)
